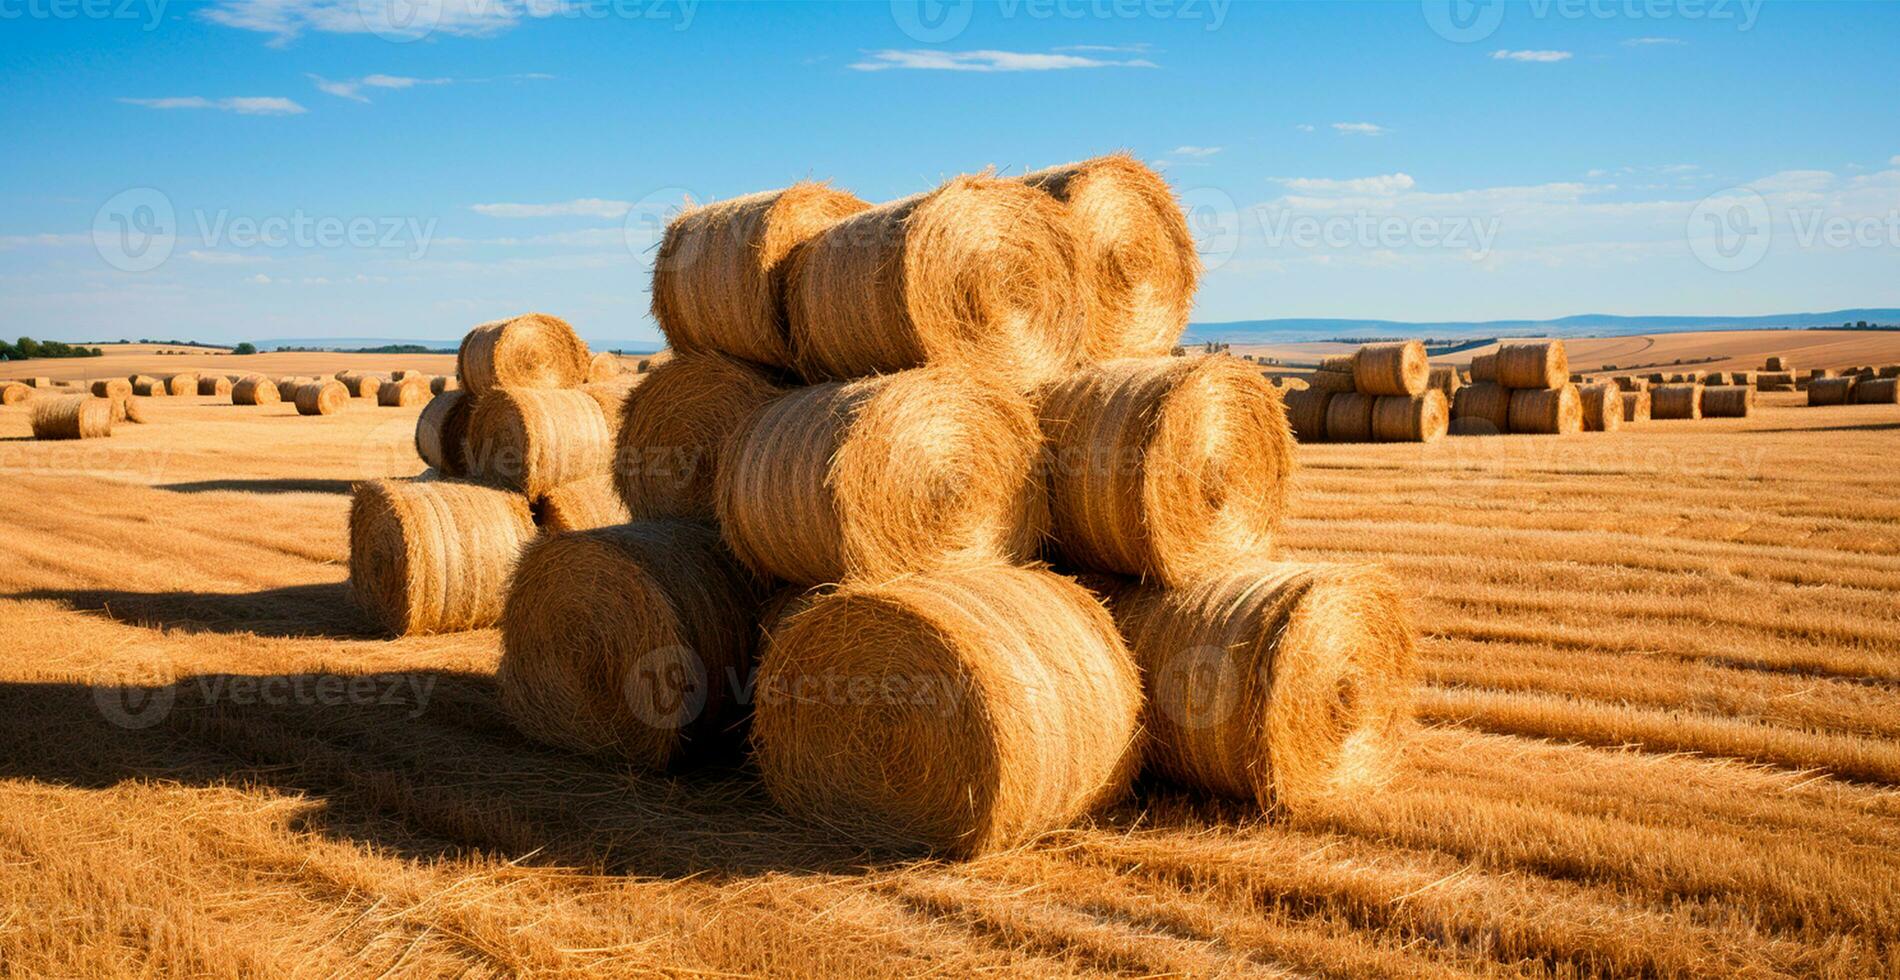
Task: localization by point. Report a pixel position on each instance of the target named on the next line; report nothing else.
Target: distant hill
(1582, 325)
(361, 343)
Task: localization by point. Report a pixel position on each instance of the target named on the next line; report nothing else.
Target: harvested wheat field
(1658, 732)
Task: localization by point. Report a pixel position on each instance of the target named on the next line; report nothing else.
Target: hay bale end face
(1004, 701)
(71, 417)
(1544, 364)
(1727, 402)
(580, 506)
(1636, 406)
(14, 392)
(1546, 411)
(1424, 417)
(869, 479)
(181, 384)
(255, 390)
(532, 440)
(1602, 407)
(442, 433)
(674, 428)
(1446, 381)
(435, 556)
(1349, 417)
(322, 398)
(360, 385)
(1676, 401)
(1166, 467)
(118, 388)
(604, 366)
(149, 387)
(1397, 368)
(405, 392)
(533, 350)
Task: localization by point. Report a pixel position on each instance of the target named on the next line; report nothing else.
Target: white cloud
(1359, 129)
(224, 258)
(286, 19)
(1894, 161)
(1383, 185)
(1642, 42)
(354, 89)
(1194, 151)
(1596, 172)
(1304, 127)
(925, 59)
(1533, 56)
(580, 207)
(1120, 48)
(48, 239)
(261, 279)
(242, 105)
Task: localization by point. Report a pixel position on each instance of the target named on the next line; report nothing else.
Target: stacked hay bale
(1381, 393)
(1877, 391)
(1774, 381)
(1727, 401)
(1522, 388)
(1676, 401)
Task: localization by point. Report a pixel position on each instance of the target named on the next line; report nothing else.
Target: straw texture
(255, 390)
(533, 350)
(1543, 364)
(435, 556)
(1676, 401)
(1482, 408)
(675, 426)
(1546, 411)
(532, 440)
(322, 398)
(1602, 407)
(1397, 368)
(71, 417)
(442, 433)
(1423, 417)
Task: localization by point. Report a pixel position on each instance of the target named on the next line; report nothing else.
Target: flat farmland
(1713, 350)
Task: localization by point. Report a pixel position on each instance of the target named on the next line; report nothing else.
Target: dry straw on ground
(13, 392)
(1166, 466)
(1542, 364)
(1396, 368)
(1279, 683)
(1602, 407)
(984, 707)
(979, 272)
(71, 417)
(214, 385)
(255, 390)
(1306, 413)
(434, 556)
(1135, 257)
(674, 428)
(719, 279)
(534, 439)
(322, 398)
(1636, 406)
(1877, 391)
(1349, 417)
(1676, 401)
(1727, 402)
(870, 479)
(1546, 411)
(404, 393)
(627, 641)
(580, 505)
(442, 433)
(112, 388)
(1482, 408)
(533, 350)
(1423, 417)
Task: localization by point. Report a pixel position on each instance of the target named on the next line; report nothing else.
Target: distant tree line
(1864, 325)
(385, 349)
(26, 348)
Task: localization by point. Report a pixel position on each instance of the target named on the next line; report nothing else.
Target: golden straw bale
(1166, 467)
(1817, 373)
(255, 390)
(434, 556)
(1446, 381)
(1676, 401)
(674, 427)
(1636, 406)
(443, 382)
(1349, 417)
(1278, 683)
(322, 398)
(1135, 258)
(360, 385)
(958, 712)
(1338, 363)
(442, 433)
(1877, 391)
(214, 385)
(1741, 377)
(1831, 391)
(1484, 368)
(980, 272)
(14, 392)
(1334, 381)
(112, 388)
(181, 384)
(1397, 368)
(1774, 381)
(1546, 411)
(1775, 363)
(604, 366)
(1306, 413)
(719, 280)
(534, 439)
(287, 388)
(1423, 417)
(1287, 382)
(1602, 407)
(1727, 402)
(611, 396)
(533, 350)
(580, 505)
(627, 641)
(412, 389)
(71, 417)
(1539, 364)
(37, 382)
(128, 409)
(150, 387)
(1890, 370)
(873, 478)
(1482, 408)
(1627, 383)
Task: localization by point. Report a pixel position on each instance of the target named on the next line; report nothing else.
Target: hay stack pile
(1380, 393)
(842, 493)
(1524, 388)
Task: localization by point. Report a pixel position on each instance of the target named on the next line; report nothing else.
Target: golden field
(1659, 733)
(1712, 350)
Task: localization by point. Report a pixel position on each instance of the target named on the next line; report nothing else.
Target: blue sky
(407, 168)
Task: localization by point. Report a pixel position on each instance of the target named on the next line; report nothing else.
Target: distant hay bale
(1484, 368)
(287, 388)
(1306, 413)
(321, 398)
(71, 417)
(1814, 373)
(1546, 411)
(128, 409)
(1334, 381)
(255, 390)
(14, 392)
(1338, 363)
(442, 433)
(719, 280)
(1831, 391)
(1543, 364)
(360, 385)
(1774, 381)
(1727, 402)
(1602, 407)
(1277, 683)
(1658, 378)
(442, 382)
(1445, 381)
(1676, 401)
(1136, 260)
(979, 272)
(627, 641)
(1624, 382)
(674, 428)
(1397, 368)
(37, 382)
(112, 388)
(533, 350)
(869, 479)
(580, 505)
(182, 384)
(1287, 382)
(1877, 391)
(214, 385)
(532, 440)
(1482, 408)
(1636, 406)
(1741, 377)
(958, 674)
(1423, 417)
(1890, 370)
(150, 387)
(1775, 363)
(1349, 417)
(604, 366)
(434, 556)
(1166, 467)
(412, 389)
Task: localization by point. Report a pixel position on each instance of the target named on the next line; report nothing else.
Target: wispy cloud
(1384, 185)
(242, 105)
(354, 89)
(1110, 48)
(1543, 57)
(1359, 129)
(1188, 156)
(1894, 161)
(224, 258)
(285, 20)
(580, 207)
(925, 59)
(1643, 42)
(1304, 127)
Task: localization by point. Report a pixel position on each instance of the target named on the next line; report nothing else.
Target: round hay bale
(1774, 381)
(1830, 391)
(1277, 683)
(181, 384)
(255, 390)
(1816, 373)
(1306, 413)
(412, 389)
(112, 388)
(322, 398)
(1877, 391)
(979, 272)
(442, 433)
(604, 366)
(287, 388)
(442, 382)
(1166, 467)
(959, 712)
(1333, 381)
(1338, 363)
(580, 506)
(1727, 402)
(1890, 370)
(719, 281)
(611, 396)
(674, 428)
(434, 556)
(37, 382)
(1543, 364)
(14, 392)
(1627, 383)
(360, 385)
(533, 350)
(71, 417)
(1445, 381)
(1424, 417)
(1135, 257)
(1349, 417)
(1546, 411)
(626, 641)
(214, 385)
(532, 440)
(1741, 377)
(1602, 407)
(1774, 363)
(128, 409)
(1636, 406)
(1287, 382)
(1482, 408)
(1676, 401)
(869, 479)
(150, 387)
(1484, 368)
(1397, 368)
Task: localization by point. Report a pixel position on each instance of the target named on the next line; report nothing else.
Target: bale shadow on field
(283, 485)
(322, 610)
